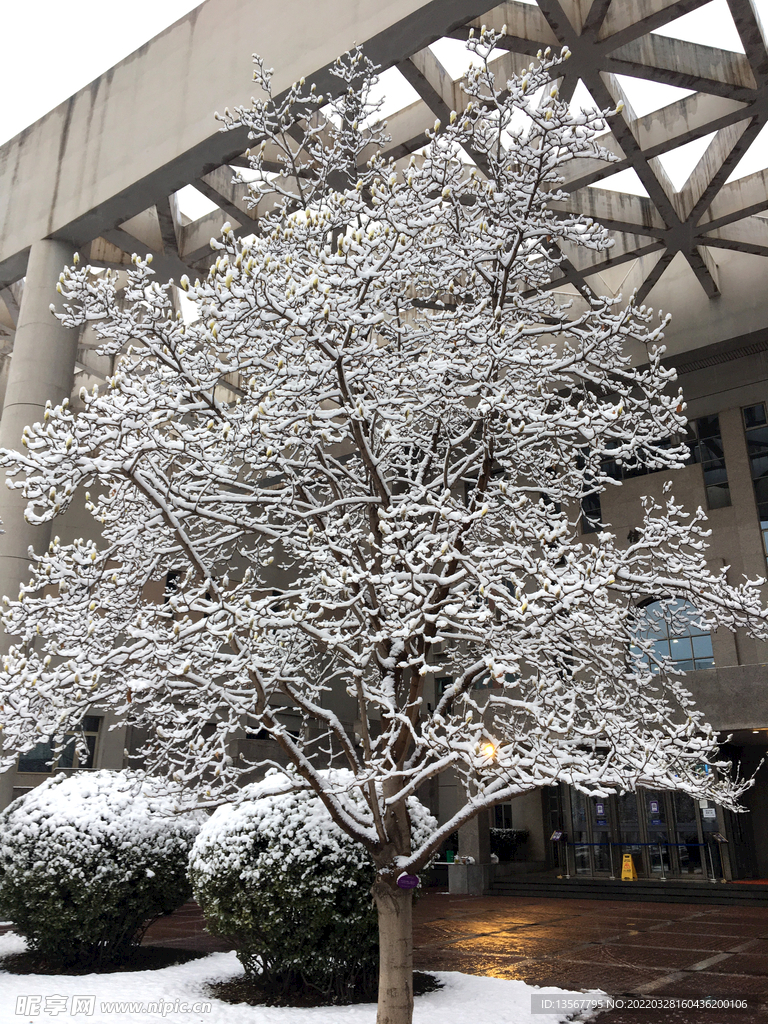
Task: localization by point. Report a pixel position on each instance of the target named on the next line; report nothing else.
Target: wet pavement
(655, 950)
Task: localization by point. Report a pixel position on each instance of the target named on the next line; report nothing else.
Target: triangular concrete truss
(727, 100)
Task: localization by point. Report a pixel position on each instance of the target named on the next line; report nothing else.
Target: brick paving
(184, 929)
(652, 949)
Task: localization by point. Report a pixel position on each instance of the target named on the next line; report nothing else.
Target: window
(756, 434)
(39, 758)
(172, 584)
(441, 685)
(676, 635)
(706, 447)
(591, 513)
(503, 816)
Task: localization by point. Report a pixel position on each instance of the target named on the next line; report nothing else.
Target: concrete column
(474, 841)
(42, 367)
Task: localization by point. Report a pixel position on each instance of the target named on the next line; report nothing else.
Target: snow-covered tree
(364, 463)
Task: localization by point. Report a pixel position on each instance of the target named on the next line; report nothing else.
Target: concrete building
(108, 172)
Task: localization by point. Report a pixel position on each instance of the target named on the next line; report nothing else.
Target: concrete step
(652, 890)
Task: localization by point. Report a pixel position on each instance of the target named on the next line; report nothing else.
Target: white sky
(52, 48)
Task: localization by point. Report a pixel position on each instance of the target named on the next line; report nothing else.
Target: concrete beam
(618, 210)
(527, 29)
(688, 65)
(79, 170)
(713, 167)
(631, 19)
(747, 235)
(741, 198)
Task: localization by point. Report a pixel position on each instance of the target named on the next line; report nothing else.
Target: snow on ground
(32, 999)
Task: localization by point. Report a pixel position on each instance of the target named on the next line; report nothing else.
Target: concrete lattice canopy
(103, 170)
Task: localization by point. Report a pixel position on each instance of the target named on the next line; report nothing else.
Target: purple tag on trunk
(408, 881)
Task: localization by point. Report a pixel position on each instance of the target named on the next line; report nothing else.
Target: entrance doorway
(668, 835)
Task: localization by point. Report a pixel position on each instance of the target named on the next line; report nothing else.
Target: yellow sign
(628, 873)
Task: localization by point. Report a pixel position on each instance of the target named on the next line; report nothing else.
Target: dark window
(441, 685)
(503, 815)
(591, 513)
(172, 583)
(41, 757)
(756, 435)
(706, 446)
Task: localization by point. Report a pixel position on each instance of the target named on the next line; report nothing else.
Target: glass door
(580, 834)
(657, 835)
(688, 849)
(600, 815)
(630, 838)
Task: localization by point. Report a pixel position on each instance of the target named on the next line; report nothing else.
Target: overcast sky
(51, 49)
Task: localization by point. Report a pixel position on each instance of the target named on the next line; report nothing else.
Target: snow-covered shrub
(88, 860)
(278, 877)
(506, 841)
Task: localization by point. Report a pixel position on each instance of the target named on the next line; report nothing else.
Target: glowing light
(489, 750)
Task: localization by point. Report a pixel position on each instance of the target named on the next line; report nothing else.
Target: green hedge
(87, 860)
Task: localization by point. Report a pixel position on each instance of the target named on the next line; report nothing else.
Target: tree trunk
(395, 953)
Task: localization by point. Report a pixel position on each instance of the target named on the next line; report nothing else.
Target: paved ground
(653, 949)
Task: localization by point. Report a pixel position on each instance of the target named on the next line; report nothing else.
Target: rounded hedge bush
(276, 876)
(88, 860)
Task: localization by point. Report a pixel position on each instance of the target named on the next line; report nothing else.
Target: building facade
(107, 173)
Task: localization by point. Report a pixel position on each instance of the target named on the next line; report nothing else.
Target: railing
(658, 844)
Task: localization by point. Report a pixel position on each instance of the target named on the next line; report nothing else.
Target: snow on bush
(88, 860)
(275, 874)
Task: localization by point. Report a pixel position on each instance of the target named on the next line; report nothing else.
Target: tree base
(248, 990)
(139, 958)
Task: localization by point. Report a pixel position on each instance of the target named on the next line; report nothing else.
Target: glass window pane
(684, 809)
(86, 760)
(714, 472)
(661, 648)
(754, 415)
(634, 469)
(680, 646)
(708, 426)
(757, 442)
(690, 645)
(692, 440)
(719, 496)
(628, 810)
(702, 646)
(761, 489)
(34, 760)
(578, 809)
(66, 758)
(91, 723)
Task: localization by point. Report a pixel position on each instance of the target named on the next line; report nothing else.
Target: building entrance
(668, 835)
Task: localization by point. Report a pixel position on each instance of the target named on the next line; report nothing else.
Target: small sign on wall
(709, 812)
